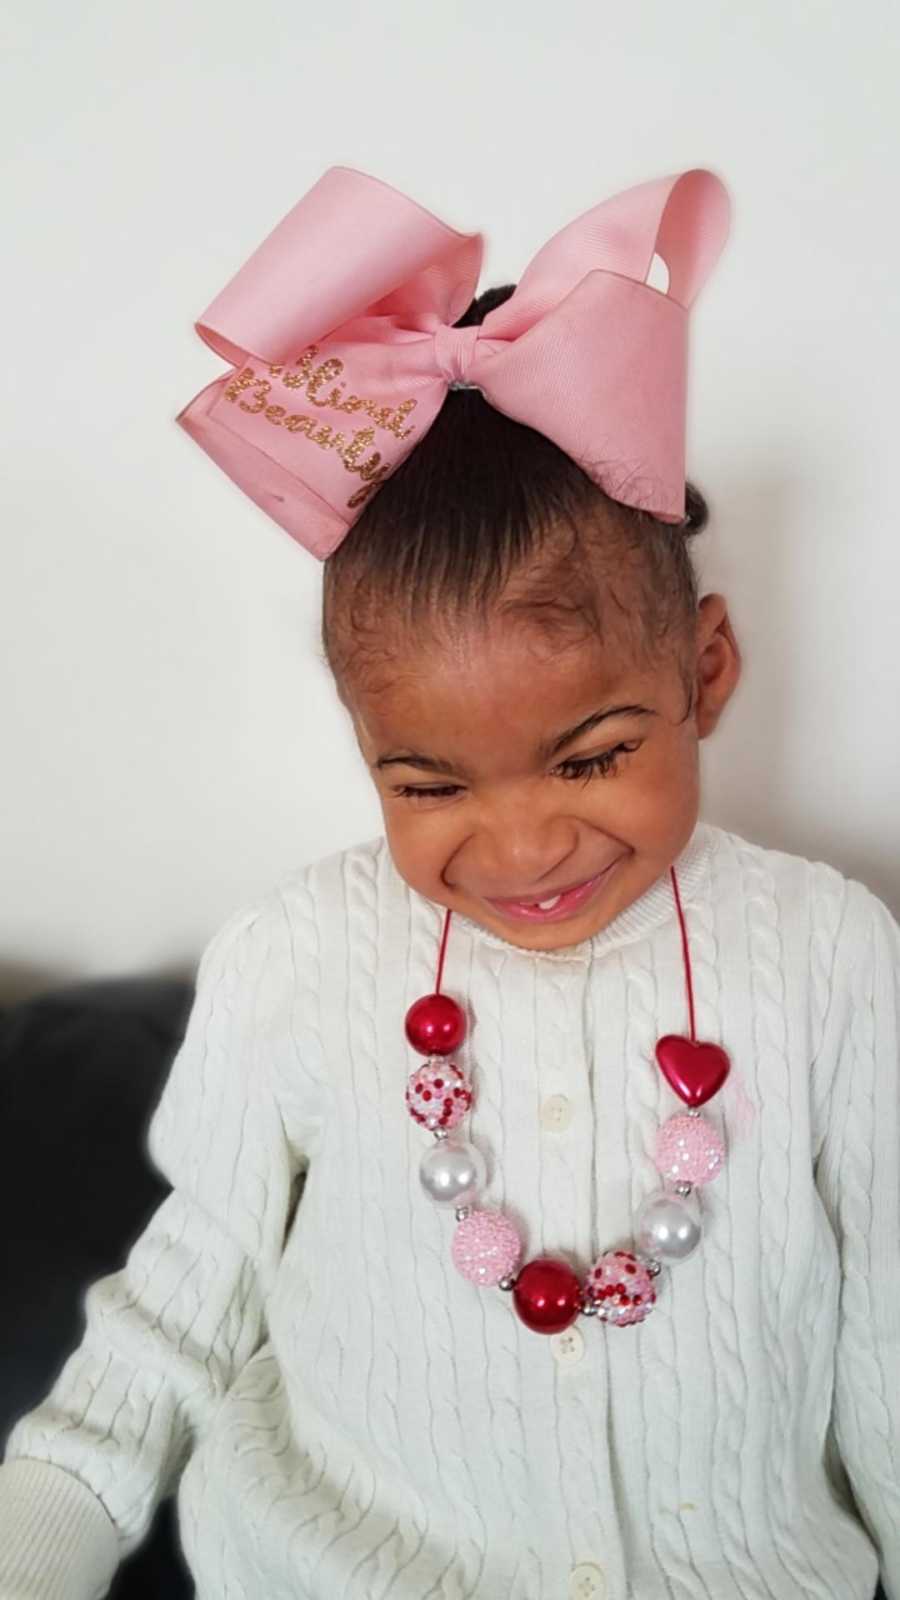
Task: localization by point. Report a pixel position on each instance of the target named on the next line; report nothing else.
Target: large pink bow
(339, 330)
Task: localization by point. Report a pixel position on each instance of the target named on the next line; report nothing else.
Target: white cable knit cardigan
(345, 1418)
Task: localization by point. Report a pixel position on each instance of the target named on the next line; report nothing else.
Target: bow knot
(341, 328)
(454, 349)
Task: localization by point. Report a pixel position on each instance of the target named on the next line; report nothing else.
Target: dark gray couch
(81, 1070)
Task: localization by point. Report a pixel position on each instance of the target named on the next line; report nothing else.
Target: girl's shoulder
(325, 906)
(306, 903)
(840, 911)
(357, 880)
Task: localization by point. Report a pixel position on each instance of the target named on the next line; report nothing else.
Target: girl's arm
(167, 1334)
(858, 1177)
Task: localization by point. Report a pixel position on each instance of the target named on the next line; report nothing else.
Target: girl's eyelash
(406, 792)
(604, 765)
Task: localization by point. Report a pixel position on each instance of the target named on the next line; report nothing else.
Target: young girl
(590, 1107)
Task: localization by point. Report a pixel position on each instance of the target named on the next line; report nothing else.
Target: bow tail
(311, 440)
(266, 480)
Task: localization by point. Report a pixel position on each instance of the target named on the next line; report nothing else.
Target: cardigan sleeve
(168, 1333)
(858, 1177)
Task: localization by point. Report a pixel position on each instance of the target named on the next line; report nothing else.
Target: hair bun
(696, 511)
(487, 300)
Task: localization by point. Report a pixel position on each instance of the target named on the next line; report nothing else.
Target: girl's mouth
(554, 908)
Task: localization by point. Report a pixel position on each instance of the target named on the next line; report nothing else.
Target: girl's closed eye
(603, 765)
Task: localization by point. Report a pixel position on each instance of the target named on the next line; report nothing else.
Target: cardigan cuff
(57, 1540)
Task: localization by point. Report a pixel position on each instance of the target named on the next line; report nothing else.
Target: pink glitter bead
(689, 1150)
(485, 1247)
(438, 1095)
(621, 1288)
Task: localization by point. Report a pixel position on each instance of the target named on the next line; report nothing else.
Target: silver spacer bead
(462, 1212)
(507, 1283)
(653, 1266)
(693, 1111)
(439, 1133)
(589, 1308)
(684, 1188)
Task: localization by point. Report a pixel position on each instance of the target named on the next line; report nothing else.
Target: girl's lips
(561, 906)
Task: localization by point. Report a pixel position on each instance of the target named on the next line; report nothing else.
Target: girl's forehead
(478, 687)
(476, 656)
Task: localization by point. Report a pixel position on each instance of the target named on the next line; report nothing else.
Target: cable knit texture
(342, 1417)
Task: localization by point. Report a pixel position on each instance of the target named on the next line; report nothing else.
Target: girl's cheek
(420, 853)
(423, 839)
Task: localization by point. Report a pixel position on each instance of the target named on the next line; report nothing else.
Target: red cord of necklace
(689, 979)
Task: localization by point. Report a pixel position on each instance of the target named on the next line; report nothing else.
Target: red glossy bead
(547, 1295)
(435, 1025)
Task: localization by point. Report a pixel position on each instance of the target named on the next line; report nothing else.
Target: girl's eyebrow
(592, 721)
(427, 763)
(435, 764)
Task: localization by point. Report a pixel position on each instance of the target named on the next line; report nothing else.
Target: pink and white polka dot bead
(438, 1095)
(689, 1150)
(621, 1288)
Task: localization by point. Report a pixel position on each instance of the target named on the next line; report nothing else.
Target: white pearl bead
(668, 1228)
(451, 1172)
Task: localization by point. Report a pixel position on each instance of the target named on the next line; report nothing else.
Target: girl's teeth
(547, 905)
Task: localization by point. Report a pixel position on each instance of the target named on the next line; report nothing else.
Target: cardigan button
(587, 1581)
(556, 1113)
(568, 1346)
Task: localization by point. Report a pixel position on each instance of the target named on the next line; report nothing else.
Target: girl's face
(535, 789)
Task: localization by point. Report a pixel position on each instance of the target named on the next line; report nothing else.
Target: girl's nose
(509, 855)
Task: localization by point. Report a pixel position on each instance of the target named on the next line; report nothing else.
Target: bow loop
(684, 219)
(352, 246)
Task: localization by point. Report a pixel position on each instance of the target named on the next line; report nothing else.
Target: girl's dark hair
(482, 498)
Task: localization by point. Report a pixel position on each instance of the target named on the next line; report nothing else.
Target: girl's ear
(718, 668)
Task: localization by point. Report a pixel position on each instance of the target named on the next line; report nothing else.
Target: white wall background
(170, 740)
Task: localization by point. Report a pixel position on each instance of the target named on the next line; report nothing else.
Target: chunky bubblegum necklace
(486, 1248)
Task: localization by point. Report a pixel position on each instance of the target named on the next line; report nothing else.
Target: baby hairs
(487, 515)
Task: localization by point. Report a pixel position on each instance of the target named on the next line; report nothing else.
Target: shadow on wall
(756, 553)
(745, 556)
(20, 980)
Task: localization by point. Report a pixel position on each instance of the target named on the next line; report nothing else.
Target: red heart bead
(695, 1071)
